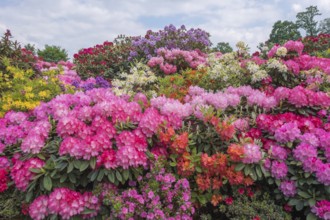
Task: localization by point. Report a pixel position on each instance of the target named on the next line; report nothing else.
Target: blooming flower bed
(182, 134)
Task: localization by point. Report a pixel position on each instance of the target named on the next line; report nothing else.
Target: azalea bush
(22, 91)
(104, 60)
(179, 134)
(317, 45)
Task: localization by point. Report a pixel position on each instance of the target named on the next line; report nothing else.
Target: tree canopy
(53, 54)
(283, 31)
(306, 20)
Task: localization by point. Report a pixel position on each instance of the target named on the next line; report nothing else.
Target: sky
(77, 24)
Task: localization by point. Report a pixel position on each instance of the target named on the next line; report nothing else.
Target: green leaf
(28, 196)
(84, 165)
(253, 175)
(311, 202)
(258, 171)
(173, 164)
(293, 202)
(300, 205)
(118, 176)
(72, 178)
(100, 176)
(198, 169)
(111, 177)
(239, 167)
(126, 174)
(47, 182)
(77, 164)
(311, 216)
(35, 170)
(247, 170)
(70, 168)
(88, 211)
(304, 194)
(94, 175)
(92, 162)
(63, 178)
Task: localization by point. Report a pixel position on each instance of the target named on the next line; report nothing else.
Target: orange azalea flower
(166, 136)
(226, 131)
(184, 166)
(180, 143)
(235, 152)
(203, 182)
(216, 199)
(216, 183)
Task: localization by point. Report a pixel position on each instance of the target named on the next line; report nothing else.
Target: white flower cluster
(140, 79)
(281, 52)
(242, 47)
(276, 64)
(224, 67)
(257, 73)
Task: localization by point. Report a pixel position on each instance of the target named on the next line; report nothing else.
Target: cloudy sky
(76, 24)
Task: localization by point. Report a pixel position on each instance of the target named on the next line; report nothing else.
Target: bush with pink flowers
(218, 148)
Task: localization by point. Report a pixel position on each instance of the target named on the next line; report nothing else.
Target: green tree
(325, 26)
(53, 54)
(283, 31)
(223, 47)
(305, 20)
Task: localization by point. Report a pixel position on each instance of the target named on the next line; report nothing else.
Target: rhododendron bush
(181, 134)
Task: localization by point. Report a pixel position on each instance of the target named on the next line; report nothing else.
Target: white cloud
(75, 24)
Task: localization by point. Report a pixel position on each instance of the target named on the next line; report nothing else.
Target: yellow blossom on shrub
(21, 90)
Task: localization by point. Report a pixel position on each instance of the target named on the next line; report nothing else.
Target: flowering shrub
(317, 45)
(213, 141)
(23, 92)
(104, 60)
(157, 195)
(170, 38)
(140, 79)
(175, 60)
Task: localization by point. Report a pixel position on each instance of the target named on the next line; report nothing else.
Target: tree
(283, 31)
(223, 47)
(53, 54)
(305, 20)
(325, 26)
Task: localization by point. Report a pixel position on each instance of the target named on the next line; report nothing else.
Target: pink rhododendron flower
(288, 188)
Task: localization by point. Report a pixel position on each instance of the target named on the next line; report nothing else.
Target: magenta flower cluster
(174, 60)
(66, 203)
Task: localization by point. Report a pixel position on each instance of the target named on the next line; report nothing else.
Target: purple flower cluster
(288, 188)
(168, 199)
(170, 38)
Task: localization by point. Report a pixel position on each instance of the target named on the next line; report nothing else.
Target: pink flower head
(287, 132)
(252, 153)
(150, 121)
(322, 209)
(279, 169)
(38, 209)
(21, 173)
(65, 202)
(288, 188)
(304, 151)
(278, 152)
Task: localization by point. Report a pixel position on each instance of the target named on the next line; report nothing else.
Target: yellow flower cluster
(22, 91)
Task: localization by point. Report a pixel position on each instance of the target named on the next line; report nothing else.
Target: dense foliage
(180, 132)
